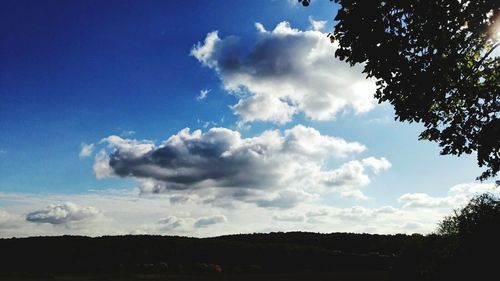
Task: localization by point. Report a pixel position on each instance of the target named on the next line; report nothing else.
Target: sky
(203, 118)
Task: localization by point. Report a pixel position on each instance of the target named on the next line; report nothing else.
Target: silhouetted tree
(475, 229)
(479, 219)
(433, 62)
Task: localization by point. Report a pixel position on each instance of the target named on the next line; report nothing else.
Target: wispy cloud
(317, 25)
(203, 94)
(86, 150)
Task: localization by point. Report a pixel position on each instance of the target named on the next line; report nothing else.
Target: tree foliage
(475, 230)
(433, 62)
(479, 219)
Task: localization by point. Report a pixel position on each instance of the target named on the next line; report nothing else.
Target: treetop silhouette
(434, 62)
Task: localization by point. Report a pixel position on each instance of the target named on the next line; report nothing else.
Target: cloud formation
(286, 71)
(147, 214)
(273, 169)
(359, 213)
(171, 223)
(458, 196)
(67, 214)
(207, 221)
(8, 221)
(86, 150)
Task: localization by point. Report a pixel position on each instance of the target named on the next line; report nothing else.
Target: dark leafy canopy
(481, 218)
(433, 62)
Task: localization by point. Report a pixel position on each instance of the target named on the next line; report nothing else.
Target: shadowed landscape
(277, 256)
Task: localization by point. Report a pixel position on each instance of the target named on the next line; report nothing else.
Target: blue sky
(73, 73)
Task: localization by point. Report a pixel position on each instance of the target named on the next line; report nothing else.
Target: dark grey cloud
(178, 199)
(221, 158)
(171, 223)
(211, 220)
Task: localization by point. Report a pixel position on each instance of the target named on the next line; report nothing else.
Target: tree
(433, 62)
(480, 218)
(474, 231)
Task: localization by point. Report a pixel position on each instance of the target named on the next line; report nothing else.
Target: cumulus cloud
(86, 150)
(284, 72)
(352, 175)
(67, 214)
(101, 166)
(274, 169)
(207, 221)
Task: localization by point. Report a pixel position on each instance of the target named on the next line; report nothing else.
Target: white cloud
(203, 94)
(317, 213)
(387, 210)
(356, 213)
(473, 188)
(317, 25)
(289, 217)
(67, 214)
(416, 200)
(353, 194)
(8, 221)
(271, 170)
(157, 214)
(359, 213)
(86, 150)
(458, 196)
(101, 166)
(376, 164)
(351, 176)
(284, 72)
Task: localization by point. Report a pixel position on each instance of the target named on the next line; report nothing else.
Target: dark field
(306, 276)
(272, 256)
